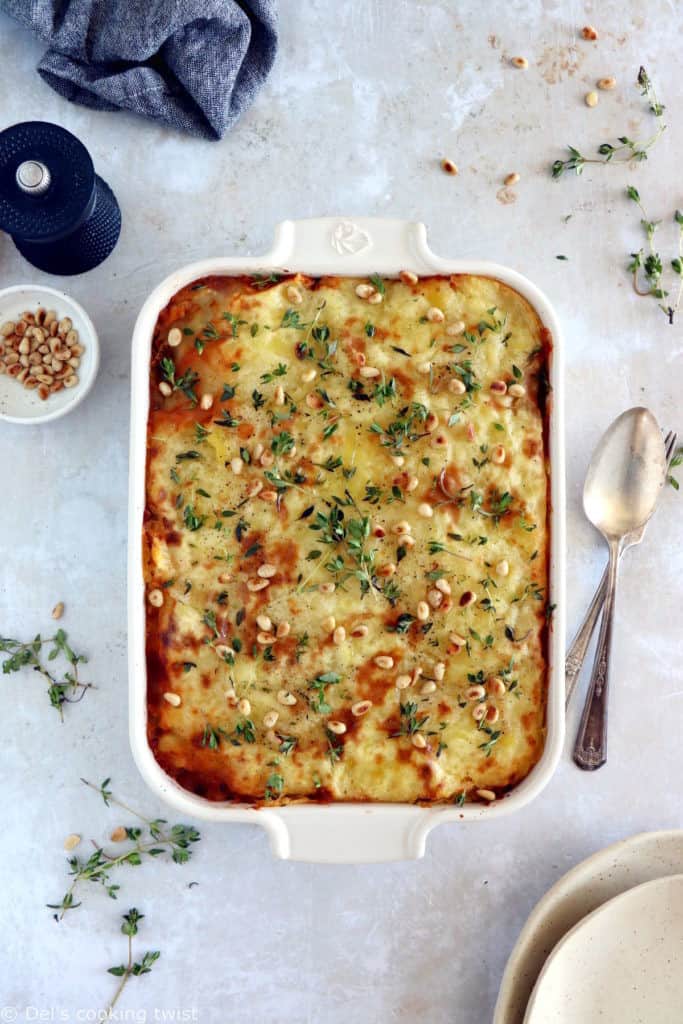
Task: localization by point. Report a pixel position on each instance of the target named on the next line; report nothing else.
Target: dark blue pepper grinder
(61, 215)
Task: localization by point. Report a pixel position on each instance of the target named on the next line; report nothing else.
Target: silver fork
(576, 655)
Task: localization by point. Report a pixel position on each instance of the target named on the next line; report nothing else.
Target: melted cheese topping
(346, 539)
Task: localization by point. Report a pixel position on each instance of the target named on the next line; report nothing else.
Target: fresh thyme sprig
(132, 969)
(151, 841)
(627, 149)
(677, 460)
(69, 689)
(648, 266)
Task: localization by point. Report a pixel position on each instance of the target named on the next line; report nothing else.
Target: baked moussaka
(346, 538)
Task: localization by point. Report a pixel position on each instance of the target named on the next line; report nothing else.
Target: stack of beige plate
(605, 943)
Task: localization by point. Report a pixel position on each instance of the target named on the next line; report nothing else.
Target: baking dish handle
(351, 835)
(339, 245)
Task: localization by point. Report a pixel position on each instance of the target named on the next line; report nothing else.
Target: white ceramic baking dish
(351, 832)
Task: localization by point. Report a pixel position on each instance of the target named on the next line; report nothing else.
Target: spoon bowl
(626, 474)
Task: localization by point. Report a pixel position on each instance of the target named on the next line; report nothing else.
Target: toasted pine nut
(328, 624)
(286, 697)
(511, 179)
(119, 835)
(439, 671)
(339, 635)
(479, 712)
(295, 295)
(174, 337)
(7, 328)
(486, 794)
(369, 371)
(428, 687)
(517, 390)
(408, 277)
(72, 841)
(425, 510)
(327, 588)
(403, 682)
(269, 719)
(364, 291)
(456, 328)
(499, 387)
(424, 368)
(402, 527)
(236, 465)
(503, 568)
(435, 315)
(254, 488)
(244, 707)
(456, 386)
(607, 83)
(591, 99)
(520, 62)
(266, 571)
(253, 586)
(266, 460)
(63, 327)
(265, 639)
(375, 298)
(58, 610)
(283, 630)
(435, 598)
(496, 686)
(338, 728)
(407, 541)
(359, 631)
(384, 661)
(361, 707)
(475, 692)
(314, 401)
(498, 455)
(173, 699)
(458, 640)
(156, 598)
(418, 740)
(308, 375)
(279, 395)
(398, 460)
(449, 167)
(43, 392)
(422, 611)
(24, 347)
(387, 571)
(413, 484)
(165, 389)
(206, 401)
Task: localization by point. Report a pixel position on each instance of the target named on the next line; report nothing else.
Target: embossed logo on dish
(348, 238)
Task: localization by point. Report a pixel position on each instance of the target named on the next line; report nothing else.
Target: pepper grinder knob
(61, 215)
(33, 177)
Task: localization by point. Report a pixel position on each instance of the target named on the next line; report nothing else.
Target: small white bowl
(19, 405)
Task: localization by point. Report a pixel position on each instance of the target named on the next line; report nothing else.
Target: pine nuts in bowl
(49, 354)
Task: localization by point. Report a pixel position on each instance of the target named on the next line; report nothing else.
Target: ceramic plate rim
(558, 896)
(585, 922)
(85, 384)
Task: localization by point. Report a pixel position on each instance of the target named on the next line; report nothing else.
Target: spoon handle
(576, 655)
(590, 749)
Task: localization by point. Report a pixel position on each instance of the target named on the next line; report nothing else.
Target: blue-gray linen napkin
(195, 65)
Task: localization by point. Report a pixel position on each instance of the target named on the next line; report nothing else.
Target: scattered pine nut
(338, 728)
(511, 179)
(520, 62)
(418, 740)
(156, 598)
(270, 719)
(384, 661)
(591, 99)
(408, 277)
(435, 315)
(174, 337)
(360, 708)
(119, 835)
(58, 610)
(266, 571)
(606, 84)
(486, 794)
(72, 841)
(173, 699)
(590, 33)
(449, 167)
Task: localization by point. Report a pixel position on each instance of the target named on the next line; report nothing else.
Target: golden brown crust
(335, 419)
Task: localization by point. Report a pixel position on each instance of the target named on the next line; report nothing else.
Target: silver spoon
(622, 485)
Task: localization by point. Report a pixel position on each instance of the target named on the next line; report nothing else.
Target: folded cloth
(192, 64)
